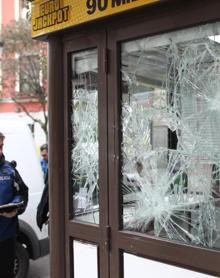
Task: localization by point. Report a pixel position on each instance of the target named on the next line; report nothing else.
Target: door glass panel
(84, 118)
(148, 268)
(171, 135)
(85, 260)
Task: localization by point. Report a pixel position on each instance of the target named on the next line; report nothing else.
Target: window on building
(29, 73)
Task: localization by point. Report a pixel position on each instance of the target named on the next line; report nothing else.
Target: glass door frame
(78, 230)
(158, 249)
(114, 241)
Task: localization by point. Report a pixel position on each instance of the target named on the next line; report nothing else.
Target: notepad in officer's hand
(10, 206)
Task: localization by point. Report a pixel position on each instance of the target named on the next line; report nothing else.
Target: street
(39, 268)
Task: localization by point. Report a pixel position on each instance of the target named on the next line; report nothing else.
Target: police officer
(11, 187)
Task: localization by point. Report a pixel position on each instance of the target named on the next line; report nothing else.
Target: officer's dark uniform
(11, 187)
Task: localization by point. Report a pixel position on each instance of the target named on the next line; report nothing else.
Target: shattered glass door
(85, 145)
(170, 149)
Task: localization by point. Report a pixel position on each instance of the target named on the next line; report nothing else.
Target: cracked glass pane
(84, 153)
(171, 135)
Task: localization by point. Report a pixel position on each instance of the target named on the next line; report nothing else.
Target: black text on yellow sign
(102, 5)
(51, 13)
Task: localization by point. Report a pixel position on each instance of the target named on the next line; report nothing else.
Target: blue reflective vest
(44, 166)
(8, 226)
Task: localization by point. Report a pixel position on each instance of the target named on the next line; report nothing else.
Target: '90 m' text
(101, 5)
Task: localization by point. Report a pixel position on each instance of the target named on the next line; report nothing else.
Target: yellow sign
(51, 15)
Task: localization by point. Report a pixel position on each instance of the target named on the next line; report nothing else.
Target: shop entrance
(142, 179)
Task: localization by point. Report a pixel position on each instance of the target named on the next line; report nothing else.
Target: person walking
(44, 158)
(12, 191)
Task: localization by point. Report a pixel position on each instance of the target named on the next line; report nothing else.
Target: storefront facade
(134, 110)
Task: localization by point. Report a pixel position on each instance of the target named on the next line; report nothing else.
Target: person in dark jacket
(43, 206)
(12, 190)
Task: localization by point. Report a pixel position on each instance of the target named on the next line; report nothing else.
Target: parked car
(20, 146)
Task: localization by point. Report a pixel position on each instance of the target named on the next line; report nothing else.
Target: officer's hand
(9, 214)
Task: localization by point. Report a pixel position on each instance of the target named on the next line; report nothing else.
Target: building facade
(10, 11)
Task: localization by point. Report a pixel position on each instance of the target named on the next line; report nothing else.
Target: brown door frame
(95, 234)
(147, 21)
(56, 161)
(168, 18)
